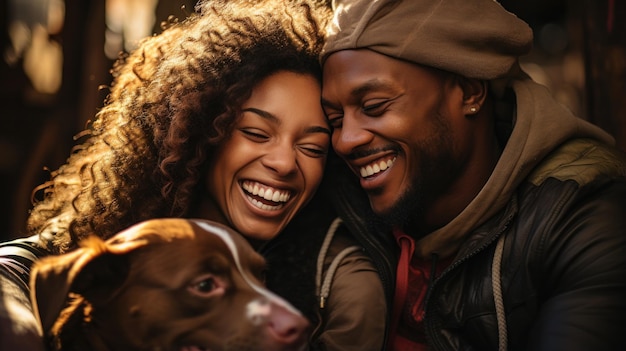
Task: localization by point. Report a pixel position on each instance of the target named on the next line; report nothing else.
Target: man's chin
(398, 213)
(381, 211)
(391, 218)
(390, 215)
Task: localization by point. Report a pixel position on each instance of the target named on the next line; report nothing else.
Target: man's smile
(376, 167)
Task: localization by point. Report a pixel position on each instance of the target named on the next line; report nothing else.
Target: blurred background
(56, 57)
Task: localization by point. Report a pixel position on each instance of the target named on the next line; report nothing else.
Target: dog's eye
(207, 285)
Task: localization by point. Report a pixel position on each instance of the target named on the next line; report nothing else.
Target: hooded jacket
(539, 254)
(556, 201)
(318, 267)
(349, 319)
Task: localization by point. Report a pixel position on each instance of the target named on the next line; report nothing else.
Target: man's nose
(352, 135)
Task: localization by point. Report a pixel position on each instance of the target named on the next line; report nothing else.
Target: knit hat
(474, 38)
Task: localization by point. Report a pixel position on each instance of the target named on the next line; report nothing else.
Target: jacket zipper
(429, 324)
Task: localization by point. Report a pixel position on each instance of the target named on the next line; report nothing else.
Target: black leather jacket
(563, 268)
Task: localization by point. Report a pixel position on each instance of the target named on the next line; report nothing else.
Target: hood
(540, 125)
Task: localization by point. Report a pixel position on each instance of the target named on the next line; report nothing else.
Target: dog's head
(164, 284)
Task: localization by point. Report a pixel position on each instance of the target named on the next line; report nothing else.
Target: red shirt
(413, 279)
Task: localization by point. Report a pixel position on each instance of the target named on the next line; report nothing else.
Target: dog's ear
(93, 271)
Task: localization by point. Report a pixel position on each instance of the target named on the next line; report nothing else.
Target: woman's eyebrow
(263, 114)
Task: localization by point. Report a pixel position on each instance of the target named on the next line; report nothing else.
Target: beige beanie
(474, 38)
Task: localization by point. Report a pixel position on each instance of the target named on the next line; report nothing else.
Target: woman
(218, 117)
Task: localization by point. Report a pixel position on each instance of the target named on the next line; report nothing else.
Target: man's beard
(405, 210)
(438, 169)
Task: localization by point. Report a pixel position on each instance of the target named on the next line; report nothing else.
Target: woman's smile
(272, 163)
(265, 197)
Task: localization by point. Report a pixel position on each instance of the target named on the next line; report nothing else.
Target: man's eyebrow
(317, 129)
(276, 120)
(357, 93)
(326, 103)
(371, 85)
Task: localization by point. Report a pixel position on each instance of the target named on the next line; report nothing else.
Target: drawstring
(323, 289)
(402, 277)
(322, 254)
(328, 279)
(497, 294)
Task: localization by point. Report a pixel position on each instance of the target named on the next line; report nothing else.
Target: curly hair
(171, 102)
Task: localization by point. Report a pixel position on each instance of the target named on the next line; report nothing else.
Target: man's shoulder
(581, 160)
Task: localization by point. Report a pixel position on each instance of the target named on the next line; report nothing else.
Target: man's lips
(376, 167)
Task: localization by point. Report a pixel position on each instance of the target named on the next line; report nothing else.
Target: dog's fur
(163, 284)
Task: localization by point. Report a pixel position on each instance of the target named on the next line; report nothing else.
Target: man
(499, 216)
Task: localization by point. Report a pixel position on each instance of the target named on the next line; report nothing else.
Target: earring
(473, 109)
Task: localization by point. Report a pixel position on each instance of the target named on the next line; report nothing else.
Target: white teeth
(270, 194)
(363, 172)
(276, 196)
(383, 166)
(374, 168)
(263, 206)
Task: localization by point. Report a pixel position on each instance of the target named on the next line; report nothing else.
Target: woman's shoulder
(343, 263)
(18, 322)
(351, 297)
(17, 256)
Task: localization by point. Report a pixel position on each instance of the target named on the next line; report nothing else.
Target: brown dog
(167, 285)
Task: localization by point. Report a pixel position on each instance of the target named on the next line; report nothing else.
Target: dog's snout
(258, 311)
(284, 324)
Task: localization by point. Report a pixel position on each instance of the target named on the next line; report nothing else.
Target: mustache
(356, 154)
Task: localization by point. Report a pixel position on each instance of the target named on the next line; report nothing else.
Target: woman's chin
(259, 231)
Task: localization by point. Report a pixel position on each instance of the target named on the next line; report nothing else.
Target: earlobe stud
(473, 109)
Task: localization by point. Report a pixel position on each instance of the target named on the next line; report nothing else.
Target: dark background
(579, 53)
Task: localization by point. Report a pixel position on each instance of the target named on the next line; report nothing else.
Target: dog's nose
(284, 323)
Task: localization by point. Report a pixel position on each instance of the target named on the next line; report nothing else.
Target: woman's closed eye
(313, 150)
(255, 134)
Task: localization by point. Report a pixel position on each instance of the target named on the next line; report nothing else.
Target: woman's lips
(264, 196)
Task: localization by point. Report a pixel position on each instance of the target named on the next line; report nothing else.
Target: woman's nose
(281, 159)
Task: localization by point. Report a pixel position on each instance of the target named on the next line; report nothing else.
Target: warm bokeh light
(127, 22)
(43, 62)
(32, 22)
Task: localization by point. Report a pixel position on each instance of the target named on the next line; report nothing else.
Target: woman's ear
(474, 94)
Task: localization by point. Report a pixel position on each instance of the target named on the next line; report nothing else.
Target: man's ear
(474, 94)
(91, 271)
